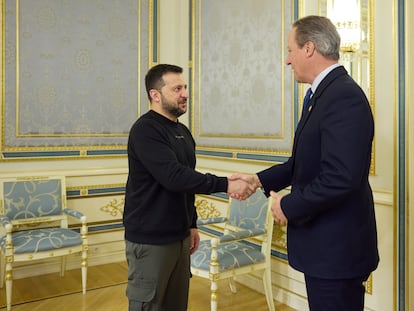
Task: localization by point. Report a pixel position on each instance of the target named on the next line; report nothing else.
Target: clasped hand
(242, 186)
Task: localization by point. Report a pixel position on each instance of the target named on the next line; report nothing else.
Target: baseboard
(282, 295)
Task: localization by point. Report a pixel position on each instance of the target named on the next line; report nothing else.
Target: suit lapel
(335, 73)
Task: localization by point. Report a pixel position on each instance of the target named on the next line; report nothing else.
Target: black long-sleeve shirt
(162, 181)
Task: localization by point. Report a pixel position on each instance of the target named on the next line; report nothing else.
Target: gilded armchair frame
(34, 219)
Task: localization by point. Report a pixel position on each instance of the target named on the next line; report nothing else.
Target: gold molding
(114, 208)
(206, 209)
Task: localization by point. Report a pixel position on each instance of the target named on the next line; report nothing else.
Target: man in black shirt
(159, 213)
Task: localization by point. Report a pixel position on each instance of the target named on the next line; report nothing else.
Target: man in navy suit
(332, 235)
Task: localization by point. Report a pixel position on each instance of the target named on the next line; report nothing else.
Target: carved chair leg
(84, 270)
(9, 285)
(62, 265)
(267, 283)
(214, 288)
(232, 285)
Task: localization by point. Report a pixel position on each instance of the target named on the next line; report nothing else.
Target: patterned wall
(242, 89)
(73, 72)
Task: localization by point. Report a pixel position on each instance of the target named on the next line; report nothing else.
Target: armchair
(33, 215)
(243, 248)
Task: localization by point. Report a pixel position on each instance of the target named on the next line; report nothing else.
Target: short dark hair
(153, 78)
(322, 32)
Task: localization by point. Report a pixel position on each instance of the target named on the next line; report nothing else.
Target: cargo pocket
(142, 290)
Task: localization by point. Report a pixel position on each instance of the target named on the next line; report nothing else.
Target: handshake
(242, 186)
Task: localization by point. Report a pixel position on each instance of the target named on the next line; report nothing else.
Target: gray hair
(322, 32)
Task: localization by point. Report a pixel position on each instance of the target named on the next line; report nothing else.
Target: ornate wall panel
(242, 100)
(72, 75)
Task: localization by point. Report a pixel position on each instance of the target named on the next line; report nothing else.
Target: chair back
(28, 198)
(251, 213)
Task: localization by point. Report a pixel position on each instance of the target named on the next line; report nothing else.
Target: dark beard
(174, 111)
(170, 108)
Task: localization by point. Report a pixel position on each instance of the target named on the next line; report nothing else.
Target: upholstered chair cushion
(32, 241)
(230, 255)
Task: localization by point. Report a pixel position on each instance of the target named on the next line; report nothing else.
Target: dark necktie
(306, 100)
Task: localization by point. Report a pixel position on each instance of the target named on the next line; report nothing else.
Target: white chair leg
(232, 285)
(84, 271)
(9, 285)
(214, 288)
(267, 283)
(62, 265)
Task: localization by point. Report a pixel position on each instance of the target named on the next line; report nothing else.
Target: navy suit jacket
(331, 220)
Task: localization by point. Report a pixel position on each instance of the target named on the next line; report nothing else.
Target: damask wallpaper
(73, 71)
(242, 90)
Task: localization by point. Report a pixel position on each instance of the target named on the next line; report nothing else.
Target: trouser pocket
(141, 290)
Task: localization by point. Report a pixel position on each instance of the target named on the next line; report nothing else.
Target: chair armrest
(208, 221)
(240, 235)
(5, 222)
(75, 214)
